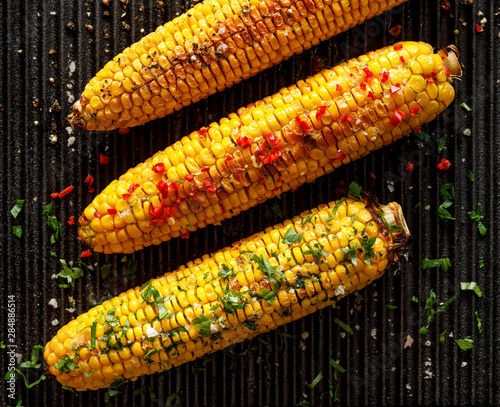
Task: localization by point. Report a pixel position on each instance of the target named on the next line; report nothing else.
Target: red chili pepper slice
(384, 76)
(409, 167)
(397, 47)
(402, 59)
(71, 220)
(174, 186)
(133, 187)
(343, 117)
(369, 74)
(103, 159)
(362, 85)
(444, 164)
(395, 88)
(126, 196)
(85, 253)
(189, 177)
(53, 195)
(112, 211)
(350, 119)
(97, 215)
(205, 169)
(340, 155)
(397, 118)
(229, 157)
(159, 168)
(338, 88)
(89, 180)
(479, 28)
(212, 189)
(124, 130)
(185, 235)
(414, 110)
(304, 125)
(371, 95)
(321, 111)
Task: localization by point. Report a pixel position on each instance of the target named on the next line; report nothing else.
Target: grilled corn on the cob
(212, 46)
(267, 148)
(260, 283)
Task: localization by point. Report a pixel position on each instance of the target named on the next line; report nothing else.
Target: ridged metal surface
(380, 371)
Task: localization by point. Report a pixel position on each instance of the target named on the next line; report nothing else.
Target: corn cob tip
(450, 55)
(86, 235)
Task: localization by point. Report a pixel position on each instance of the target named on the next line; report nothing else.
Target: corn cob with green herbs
(258, 284)
(272, 146)
(212, 46)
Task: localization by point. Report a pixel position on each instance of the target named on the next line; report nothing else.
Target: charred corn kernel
(225, 298)
(172, 67)
(161, 201)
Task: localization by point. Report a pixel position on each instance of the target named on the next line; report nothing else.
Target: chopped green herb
(336, 366)
(344, 326)
(389, 306)
(171, 398)
(71, 274)
(446, 304)
(202, 323)
(152, 395)
(337, 205)
(2, 345)
(367, 244)
(418, 205)
(71, 389)
(470, 176)
(140, 390)
(131, 267)
(93, 330)
(225, 271)
(105, 271)
(423, 136)
(89, 374)
(479, 324)
(47, 211)
(355, 191)
(30, 385)
(16, 209)
(467, 108)
(291, 237)
(481, 262)
(429, 306)
(465, 344)
(66, 364)
(316, 380)
(442, 337)
(303, 403)
(35, 354)
(316, 252)
(423, 330)
(54, 224)
(17, 230)
(478, 218)
(444, 263)
(277, 210)
(441, 144)
(265, 343)
(473, 287)
(414, 299)
(442, 212)
(448, 191)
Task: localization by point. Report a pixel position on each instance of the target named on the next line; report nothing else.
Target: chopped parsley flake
(478, 218)
(355, 191)
(444, 263)
(447, 304)
(470, 176)
(316, 380)
(441, 144)
(344, 326)
(479, 324)
(465, 344)
(16, 209)
(291, 237)
(472, 286)
(337, 205)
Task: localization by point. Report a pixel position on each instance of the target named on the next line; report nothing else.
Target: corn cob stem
(258, 284)
(212, 46)
(270, 147)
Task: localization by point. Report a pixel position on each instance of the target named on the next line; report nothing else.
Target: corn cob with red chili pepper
(212, 46)
(272, 146)
(260, 283)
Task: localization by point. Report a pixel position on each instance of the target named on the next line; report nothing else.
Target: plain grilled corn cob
(260, 283)
(212, 46)
(274, 145)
